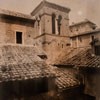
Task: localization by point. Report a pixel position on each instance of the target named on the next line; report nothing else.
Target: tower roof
(49, 4)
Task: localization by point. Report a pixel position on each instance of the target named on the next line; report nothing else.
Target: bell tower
(51, 19)
(52, 28)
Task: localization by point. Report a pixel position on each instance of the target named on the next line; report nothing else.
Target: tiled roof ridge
(67, 79)
(82, 22)
(46, 3)
(83, 58)
(16, 14)
(86, 32)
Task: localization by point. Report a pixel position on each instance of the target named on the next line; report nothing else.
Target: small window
(71, 30)
(53, 23)
(97, 50)
(92, 37)
(80, 39)
(93, 28)
(62, 45)
(19, 37)
(44, 57)
(68, 44)
(77, 29)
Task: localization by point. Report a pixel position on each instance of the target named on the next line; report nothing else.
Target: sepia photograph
(49, 50)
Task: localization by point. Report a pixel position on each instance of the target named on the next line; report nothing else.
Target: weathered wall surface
(78, 29)
(53, 45)
(84, 40)
(8, 30)
(92, 84)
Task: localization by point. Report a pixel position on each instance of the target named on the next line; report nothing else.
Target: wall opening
(53, 23)
(92, 38)
(62, 45)
(59, 24)
(97, 50)
(80, 39)
(19, 37)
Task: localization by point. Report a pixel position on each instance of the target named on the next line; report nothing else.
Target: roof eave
(46, 3)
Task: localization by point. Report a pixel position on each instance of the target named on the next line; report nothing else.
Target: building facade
(82, 33)
(46, 28)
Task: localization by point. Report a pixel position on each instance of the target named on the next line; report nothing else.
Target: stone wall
(81, 28)
(53, 45)
(84, 40)
(92, 82)
(9, 27)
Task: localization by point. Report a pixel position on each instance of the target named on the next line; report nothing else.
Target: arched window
(53, 23)
(59, 23)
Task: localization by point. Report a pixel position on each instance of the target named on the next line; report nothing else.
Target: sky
(80, 9)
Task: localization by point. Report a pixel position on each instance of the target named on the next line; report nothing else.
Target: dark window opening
(80, 39)
(59, 23)
(19, 37)
(43, 56)
(53, 23)
(92, 37)
(62, 45)
(71, 30)
(93, 28)
(97, 50)
(68, 44)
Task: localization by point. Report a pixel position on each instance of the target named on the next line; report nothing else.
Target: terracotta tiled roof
(86, 32)
(63, 56)
(67, 78)
(25, 71)
(49, 4)
(15, 14)
(85, 58)
(82, 58)
(21, 63)
(83, 22)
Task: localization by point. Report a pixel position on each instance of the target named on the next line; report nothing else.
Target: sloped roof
(22, 63)
(86, 33)
(15, 14)
(46, 3)
(67, 79)
(66, 54)
(85, 58)
(82, 58)
(82, 22)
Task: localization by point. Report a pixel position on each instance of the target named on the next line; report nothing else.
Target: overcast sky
(80, 9)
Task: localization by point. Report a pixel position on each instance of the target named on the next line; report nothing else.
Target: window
(53, 23)
(71, 30)
(97, 50)
(59, 23)
(62, 45)
(19, 37)
(80, 39)
(92, 37)
(93, 28)
(44, 57)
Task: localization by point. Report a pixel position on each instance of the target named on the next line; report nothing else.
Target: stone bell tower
(51, 19)
(52, 28)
